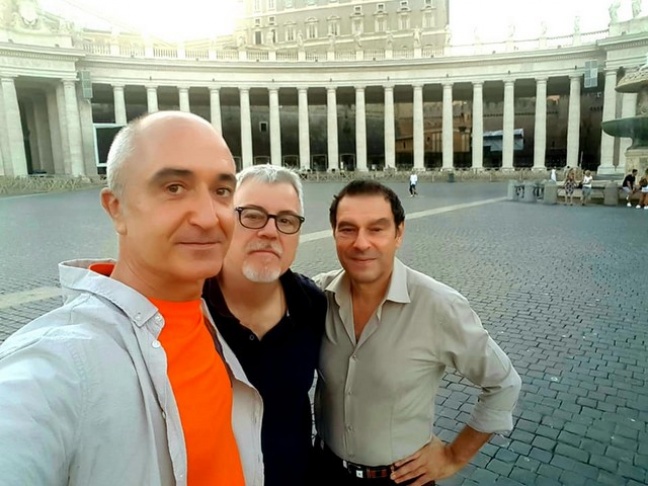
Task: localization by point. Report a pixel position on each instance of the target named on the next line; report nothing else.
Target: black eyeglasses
(257, 218)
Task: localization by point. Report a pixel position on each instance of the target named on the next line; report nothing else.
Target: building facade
(517, 103)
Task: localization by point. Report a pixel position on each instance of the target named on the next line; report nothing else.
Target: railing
(103, 45)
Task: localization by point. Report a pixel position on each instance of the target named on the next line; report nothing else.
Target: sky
(190, 19)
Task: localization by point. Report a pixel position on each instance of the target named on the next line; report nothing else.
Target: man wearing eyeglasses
(271, 317)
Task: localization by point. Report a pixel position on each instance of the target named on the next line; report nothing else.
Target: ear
(400, 231)
(113, 206)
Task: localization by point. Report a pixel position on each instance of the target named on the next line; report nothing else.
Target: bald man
(129, 382)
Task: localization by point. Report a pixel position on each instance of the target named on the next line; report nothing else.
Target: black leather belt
(356, 470)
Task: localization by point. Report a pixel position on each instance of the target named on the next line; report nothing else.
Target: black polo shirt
(281, 366)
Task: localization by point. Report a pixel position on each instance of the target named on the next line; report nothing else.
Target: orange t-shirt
(202, 390)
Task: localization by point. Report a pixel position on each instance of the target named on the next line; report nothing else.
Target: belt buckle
(353, 469)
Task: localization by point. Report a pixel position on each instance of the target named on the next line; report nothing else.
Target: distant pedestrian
(586, 193)
(413, 180)
(570, 184)
(643, 187)
(553, 175)
(628, 186)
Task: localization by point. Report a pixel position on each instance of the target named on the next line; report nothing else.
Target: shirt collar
(396, 292)
(76, 279)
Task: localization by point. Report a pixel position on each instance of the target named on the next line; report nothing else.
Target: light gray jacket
(85, 399)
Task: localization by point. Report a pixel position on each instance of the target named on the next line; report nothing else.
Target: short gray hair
(273, 174)
(121, 149)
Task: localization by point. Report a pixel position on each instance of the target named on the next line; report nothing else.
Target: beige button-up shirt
(374, 403)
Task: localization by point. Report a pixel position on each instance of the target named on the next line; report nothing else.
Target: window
(380, 8)
(271, 5)
(381, 24)
(257, 22)
(428, 3)
(404, 5)
(404, 22)
(357, 10)
(357, 26)
(288, 3)
(258, 38)
(310, 2)
(263, 127)
(311, 29)
(334, 26)
(428, 20)
(257, 6)
(272, 20)
(290, 33)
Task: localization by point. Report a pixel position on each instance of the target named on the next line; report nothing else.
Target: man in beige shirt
(391, 332)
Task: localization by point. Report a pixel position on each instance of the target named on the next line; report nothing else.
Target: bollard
(611, 194)
(451, 176)
(550, 192)
(529, 192)
(511, 195)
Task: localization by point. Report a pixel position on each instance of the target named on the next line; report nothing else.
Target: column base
(610, 172)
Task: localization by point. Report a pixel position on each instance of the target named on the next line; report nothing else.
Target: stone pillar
(73, 128)
(88, 137)
(183, 95)
(44, 137)
(540, 129)
(448, 128)
(390, 129)
(55, 132)
(361, 130)
(246, 129)
(628, 110)
(275, 128)
(508, 124)
(32, 134)
(5, 156)
(63, 124)
(417, 129)
(151, 99)
(573, 123)
(332, 129)
(304, 129)
(16, 165)
(120, 105)
(478, 126)
(606, 165)
(215, 109)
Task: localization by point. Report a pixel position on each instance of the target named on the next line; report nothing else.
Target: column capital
(273, 89)
(359, 87)
(7, 77)
(302, 89)
(417, 86)
(115, 86)
(330, 89)
(542, 80)
(575, 76)
(214, 88)
(388, 87)
(447, 84)
(183, 88)
(478, 84)
(244, 89)
(150, 87)
(509, 82)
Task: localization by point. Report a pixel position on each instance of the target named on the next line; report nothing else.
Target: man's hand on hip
(432, 462)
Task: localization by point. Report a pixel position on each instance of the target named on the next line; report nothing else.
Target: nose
(203, 211)
(361, 242)
(269, 230)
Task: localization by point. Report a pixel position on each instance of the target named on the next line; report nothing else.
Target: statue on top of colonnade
(636, 8)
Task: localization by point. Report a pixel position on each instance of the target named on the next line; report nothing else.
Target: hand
(432, 462)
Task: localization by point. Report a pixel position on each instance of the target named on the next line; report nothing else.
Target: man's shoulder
(307, 285)
(78, 322)
(424, 288)
(322, 280)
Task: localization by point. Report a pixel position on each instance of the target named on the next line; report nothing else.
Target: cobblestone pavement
(562, 289)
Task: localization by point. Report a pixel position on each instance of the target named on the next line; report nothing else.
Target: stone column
(304, 129)
(508, 124)
(183, 94)
(5, 155)
(73, 128)
(417, 129)
(390, 129)
(448, 127)
(540, 129)
(628, 110)
(55, 132)
(44, 137)
(361, 130)
(478, 126)
(88, 137)
(275, 128)
(573, 123)
(606, 165)
(16, 165)
(332, 129)
(63, 124)
(246, 129)
(120, 105)
(151, 99)
(215, 109)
